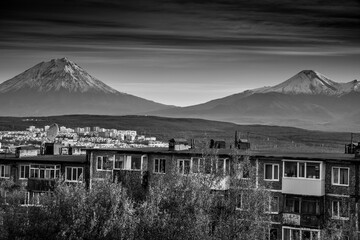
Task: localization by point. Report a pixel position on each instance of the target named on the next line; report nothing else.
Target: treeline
(174, 208)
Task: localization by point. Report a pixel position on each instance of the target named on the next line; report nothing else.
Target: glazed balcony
(303, 178)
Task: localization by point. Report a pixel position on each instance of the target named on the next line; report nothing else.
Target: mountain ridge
(307, 100)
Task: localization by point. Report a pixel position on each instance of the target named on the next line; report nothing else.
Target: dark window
(24, 171)
(195, 165)
(136, 162)
(292, 205)
(290, 169)
(310, 206)
(159, 165)
(119, 161)
(313, 170)
(273, 234)
(271, 172)
(207, 166)
(99, 163)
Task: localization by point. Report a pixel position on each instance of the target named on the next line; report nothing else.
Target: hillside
(261, 137)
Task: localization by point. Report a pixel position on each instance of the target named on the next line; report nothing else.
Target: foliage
(175, 206)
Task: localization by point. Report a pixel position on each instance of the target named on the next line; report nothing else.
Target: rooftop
(46, 158)
(263, 154)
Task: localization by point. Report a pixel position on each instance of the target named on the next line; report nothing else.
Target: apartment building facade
(311, 192)
(38, 174)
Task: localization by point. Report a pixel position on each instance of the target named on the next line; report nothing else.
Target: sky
(184, 52)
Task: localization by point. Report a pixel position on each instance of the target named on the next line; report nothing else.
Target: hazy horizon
(184, 52)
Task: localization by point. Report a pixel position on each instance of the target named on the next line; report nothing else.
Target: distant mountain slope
(308, 99)
(261, 137)
(62, 87)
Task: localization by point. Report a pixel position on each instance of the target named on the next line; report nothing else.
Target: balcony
(42, 185)
(311, 220)
(303, 186)
(302, 177)
(304, 220)
(291, 219)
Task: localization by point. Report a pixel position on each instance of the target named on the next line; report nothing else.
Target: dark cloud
(184, 23)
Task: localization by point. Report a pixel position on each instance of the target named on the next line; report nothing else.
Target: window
(302, 170)
(103, 163)
(272, 234)
(119, 162)
(73, 174)
(33, 198)
(208, 166)
(126, 162)
(272, 205)
(159, 165)
(242, 169)
(313, 170)
(3, 194)
(245, 172)
(239, 202)
(44, 171)
(309, 206)
(219, 166)
(291, 234)
(24, 171)
(340, 209)
(99, 163)
(272, 172)
(300, 234)
(309, 235)
(290, 169)
(292, 205)
(184, 166)
(223, 166)
(197, 165)
(135, 162)
(227, 166)
(340, 176)
(4, 171)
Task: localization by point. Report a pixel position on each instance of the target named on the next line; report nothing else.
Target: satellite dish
(52, 132)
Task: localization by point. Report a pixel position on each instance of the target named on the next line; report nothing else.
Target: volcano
(308, 99)
(60, 87)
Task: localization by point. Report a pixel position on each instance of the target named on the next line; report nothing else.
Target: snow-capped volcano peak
(56, 75)
(311, 82)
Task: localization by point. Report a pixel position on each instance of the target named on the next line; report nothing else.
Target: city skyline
(184, 52)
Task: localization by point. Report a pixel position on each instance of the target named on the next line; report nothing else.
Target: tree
(177, 206)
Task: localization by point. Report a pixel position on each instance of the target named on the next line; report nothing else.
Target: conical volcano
(308, 99)
(59, 87)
